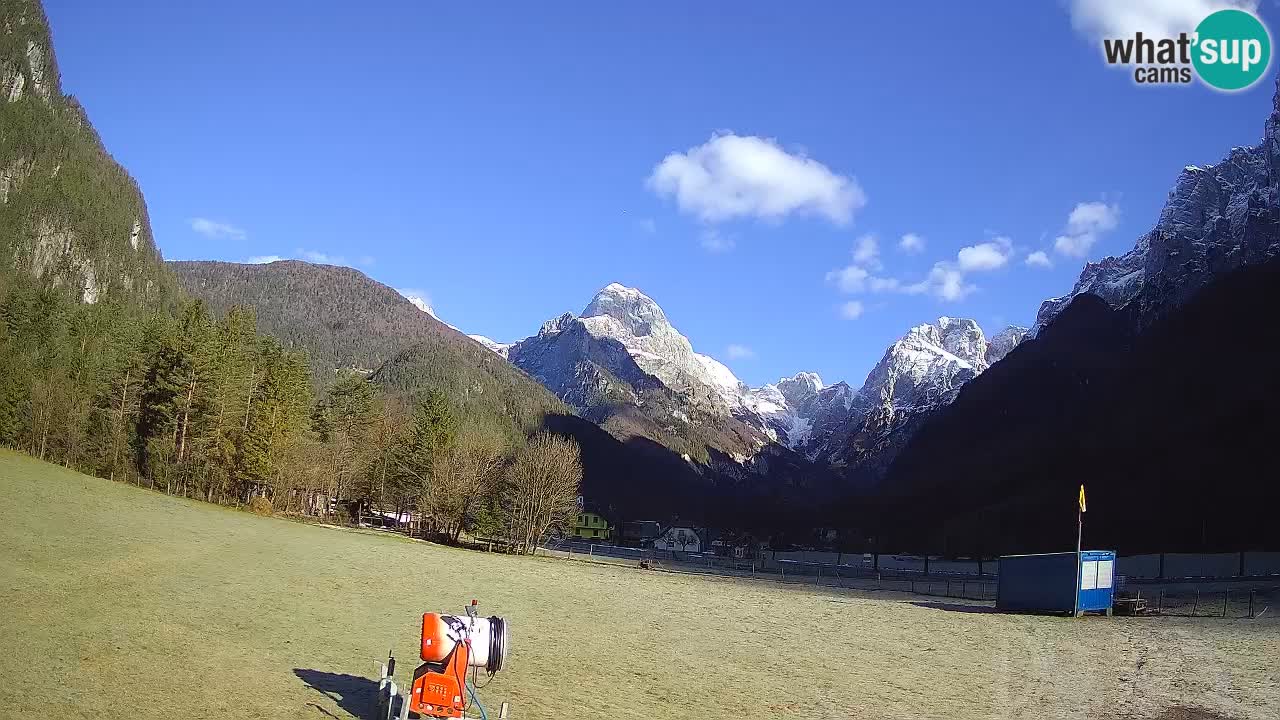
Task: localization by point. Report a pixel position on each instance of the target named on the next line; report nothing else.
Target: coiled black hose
(497, 644)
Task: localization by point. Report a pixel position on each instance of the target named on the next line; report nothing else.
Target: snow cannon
(451, 647)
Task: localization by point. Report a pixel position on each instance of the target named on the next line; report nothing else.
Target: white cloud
(317, 257)
(419, 298)
(945, 282)
(733, 176)
(851, 279)
(985, 256)
(1039, 259)
(321, 258)
(714, 242)
(911, 244)
(1099, 19)
(1087, 221)
(851, 310)
(739, 352)
(882, 284)
(866, 251)
(214, 229)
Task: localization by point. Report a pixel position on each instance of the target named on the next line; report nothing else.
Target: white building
(681, 539)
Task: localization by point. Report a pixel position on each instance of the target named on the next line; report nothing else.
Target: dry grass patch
(123, 603)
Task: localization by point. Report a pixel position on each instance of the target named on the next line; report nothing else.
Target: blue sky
(727, 159)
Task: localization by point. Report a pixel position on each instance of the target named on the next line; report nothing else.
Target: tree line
(207, 408)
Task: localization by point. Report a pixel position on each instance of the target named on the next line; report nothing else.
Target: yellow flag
(1082, 498)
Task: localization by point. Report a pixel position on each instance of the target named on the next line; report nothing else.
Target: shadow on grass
(356, 695)
(956, 607)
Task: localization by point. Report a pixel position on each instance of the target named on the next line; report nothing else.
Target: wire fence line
(1184, 600)
(833, 575)
(1244, 602)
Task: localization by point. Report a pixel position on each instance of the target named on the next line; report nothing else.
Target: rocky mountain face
(1218, 218)
(918, 374)
(622, 358)
(622, 364)
(72, 217)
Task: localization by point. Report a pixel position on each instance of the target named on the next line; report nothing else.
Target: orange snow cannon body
(451, 647)
(438, 683)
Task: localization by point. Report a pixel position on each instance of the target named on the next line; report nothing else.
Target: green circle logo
(1232, 50)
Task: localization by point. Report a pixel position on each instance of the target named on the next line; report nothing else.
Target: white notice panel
(1089, 575)
(1104, 574)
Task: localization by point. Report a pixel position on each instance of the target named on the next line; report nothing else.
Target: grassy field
(117, 602)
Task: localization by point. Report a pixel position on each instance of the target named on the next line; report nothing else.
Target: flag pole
(1079, 548)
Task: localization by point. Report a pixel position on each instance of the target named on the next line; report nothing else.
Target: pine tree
(433, 431)
(347, 416)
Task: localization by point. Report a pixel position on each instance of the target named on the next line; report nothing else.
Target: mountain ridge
(1217, 218)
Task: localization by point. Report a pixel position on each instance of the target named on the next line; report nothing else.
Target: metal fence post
(1224, 602)
(1251, 604)
(1196, 606)
(591, 551)
(1160, 604)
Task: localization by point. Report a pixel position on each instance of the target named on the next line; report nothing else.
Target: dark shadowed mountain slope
(1172, 429)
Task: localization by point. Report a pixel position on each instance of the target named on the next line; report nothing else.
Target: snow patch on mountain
(421, 304)
(494, 345)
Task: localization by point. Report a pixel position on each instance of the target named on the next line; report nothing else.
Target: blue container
(1052, 582)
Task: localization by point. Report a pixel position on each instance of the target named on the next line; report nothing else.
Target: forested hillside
(107, 367)
(346, 321)
(83, 289)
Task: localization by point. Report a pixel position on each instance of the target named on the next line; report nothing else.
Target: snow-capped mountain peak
(636, 321)
(421, 304)
(494, 345)
(556, 324)
(633, 310)
(800, 387)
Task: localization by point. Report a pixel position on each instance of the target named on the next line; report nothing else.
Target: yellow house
(590, 526)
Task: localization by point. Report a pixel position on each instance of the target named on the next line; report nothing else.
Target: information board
(1089, 575)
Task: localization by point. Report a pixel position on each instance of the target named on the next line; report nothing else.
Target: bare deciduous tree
(464, 477)
(542, 489)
